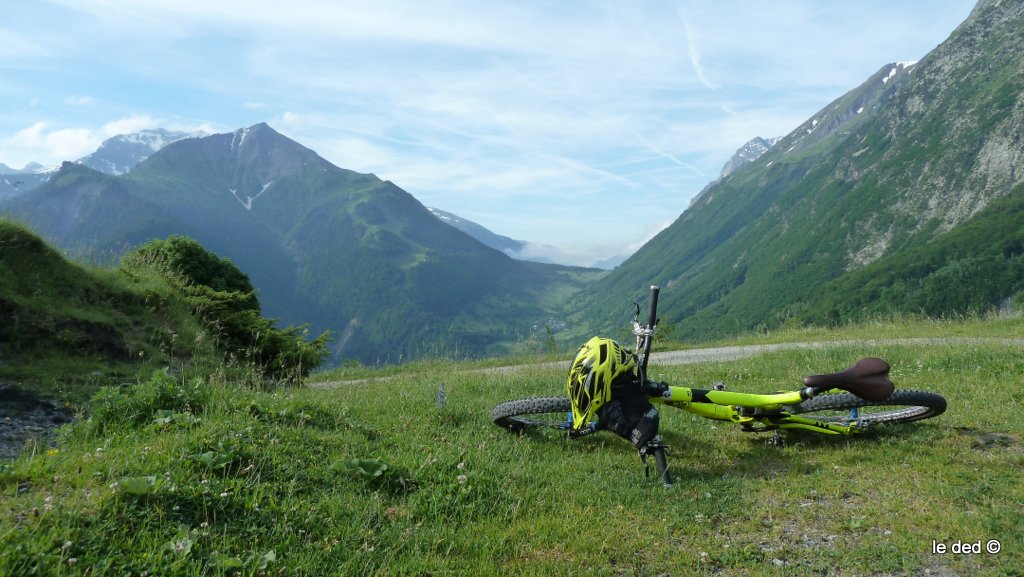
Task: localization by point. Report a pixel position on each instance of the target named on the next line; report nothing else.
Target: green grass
(66, 329)
(194, 477)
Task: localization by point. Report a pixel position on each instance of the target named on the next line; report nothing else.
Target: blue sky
(582, 126)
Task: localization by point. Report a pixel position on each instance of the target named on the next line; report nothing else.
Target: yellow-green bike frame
(753, 412)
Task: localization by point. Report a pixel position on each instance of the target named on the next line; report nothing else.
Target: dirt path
(730, 353)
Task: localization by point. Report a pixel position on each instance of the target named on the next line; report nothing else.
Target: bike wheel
(900, 407)
(551, 412)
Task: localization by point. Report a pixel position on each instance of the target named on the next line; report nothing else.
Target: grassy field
(192, 477)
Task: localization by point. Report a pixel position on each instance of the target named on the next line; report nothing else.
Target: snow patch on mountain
(750, 152)
(247, 203)
(239, 138)
(896, 67)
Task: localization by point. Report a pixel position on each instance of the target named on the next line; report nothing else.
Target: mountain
(116, 156)
(120, 154)
(888, 199)
(749, 152)
(30, 168)
(14, 182)
(343, 251)
(518, 249)
(479, 232)
(610, 262)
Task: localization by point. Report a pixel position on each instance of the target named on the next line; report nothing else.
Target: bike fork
(656, 447)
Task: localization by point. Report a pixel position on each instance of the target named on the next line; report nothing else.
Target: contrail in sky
(650, 146)
(695, 53)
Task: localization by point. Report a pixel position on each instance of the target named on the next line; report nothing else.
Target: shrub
(224, 300)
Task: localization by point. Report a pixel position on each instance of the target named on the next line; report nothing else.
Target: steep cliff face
(951, 140)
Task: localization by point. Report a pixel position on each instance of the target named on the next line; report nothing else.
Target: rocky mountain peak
(120, 154)
(748, 153)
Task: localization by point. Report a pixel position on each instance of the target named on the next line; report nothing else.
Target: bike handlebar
(646, 333)
(652, 312)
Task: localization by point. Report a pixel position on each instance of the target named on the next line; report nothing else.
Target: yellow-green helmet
(598, 366)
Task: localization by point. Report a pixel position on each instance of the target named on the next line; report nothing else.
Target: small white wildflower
(463, 478)
(72, 560)
(67, 545)
(460, 466)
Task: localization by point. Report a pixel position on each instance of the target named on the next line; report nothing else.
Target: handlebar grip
(652, 313)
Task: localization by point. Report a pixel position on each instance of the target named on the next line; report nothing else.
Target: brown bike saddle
(867, 378)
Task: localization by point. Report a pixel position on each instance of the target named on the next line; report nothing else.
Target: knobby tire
(536, 412)
(900, 407)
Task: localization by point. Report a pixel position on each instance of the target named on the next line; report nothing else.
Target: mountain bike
(848, 402)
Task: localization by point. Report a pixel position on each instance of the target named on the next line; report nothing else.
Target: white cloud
(47, 143)
(589, 254)
(42, 141)
(571, 256)
(129, 125)
(192, 128)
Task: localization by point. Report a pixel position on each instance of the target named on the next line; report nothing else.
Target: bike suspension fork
(657, 448)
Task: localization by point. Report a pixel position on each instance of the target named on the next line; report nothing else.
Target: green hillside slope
(893, 166)
(968, 269)
(343, 251)
(66, 330)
